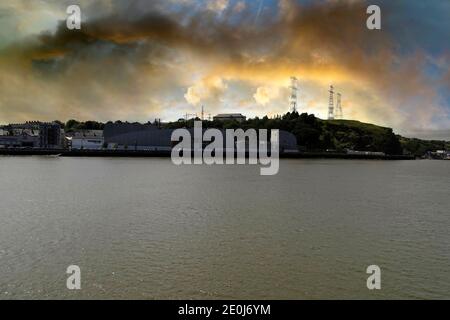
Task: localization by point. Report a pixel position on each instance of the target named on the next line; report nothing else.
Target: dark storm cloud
(134, 54)
(337, 30)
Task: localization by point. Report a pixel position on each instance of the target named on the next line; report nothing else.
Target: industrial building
(142, 137)
(288, 142)
(136, 136)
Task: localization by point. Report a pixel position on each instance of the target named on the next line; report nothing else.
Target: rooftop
(229, 115)
(86, 134)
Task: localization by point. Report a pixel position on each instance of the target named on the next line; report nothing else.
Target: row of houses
(115, 136)
(42, 135)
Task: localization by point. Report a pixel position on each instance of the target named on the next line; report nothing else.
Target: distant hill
(420, 147)
(413, 146)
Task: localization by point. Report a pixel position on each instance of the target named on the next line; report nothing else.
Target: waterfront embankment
(166, 153)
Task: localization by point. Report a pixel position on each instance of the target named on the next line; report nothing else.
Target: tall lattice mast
(339, 114)
(331, 104)
(293, 100)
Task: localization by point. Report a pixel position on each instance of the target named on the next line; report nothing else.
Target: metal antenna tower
(331, 104)
(293, 98)
(339, 114)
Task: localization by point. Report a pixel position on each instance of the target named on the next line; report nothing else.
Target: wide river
(146, 229)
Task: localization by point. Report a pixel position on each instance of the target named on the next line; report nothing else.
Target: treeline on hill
(312, 134)
(73, 125)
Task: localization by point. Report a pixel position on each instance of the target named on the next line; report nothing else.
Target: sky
(145, 59)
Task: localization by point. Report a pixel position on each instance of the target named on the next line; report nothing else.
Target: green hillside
(314, 134)
(355, 135)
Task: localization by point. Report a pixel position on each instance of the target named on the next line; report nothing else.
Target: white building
(86, 139)
(444, 154)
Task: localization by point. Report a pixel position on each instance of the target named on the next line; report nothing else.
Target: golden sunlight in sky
(141, 60)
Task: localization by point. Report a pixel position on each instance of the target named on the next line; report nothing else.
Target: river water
(146, 229)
